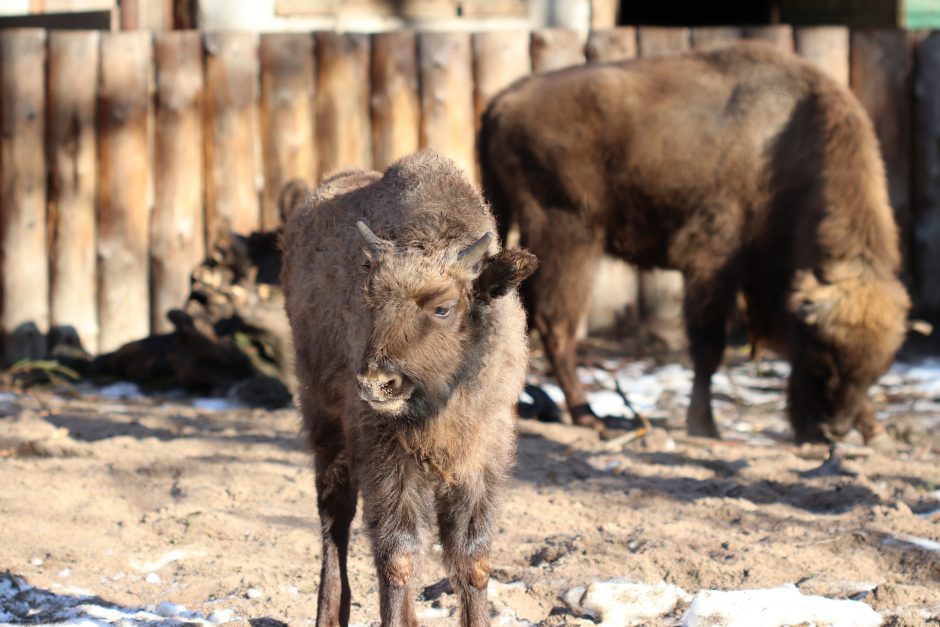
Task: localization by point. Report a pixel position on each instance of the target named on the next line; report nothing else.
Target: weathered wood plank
(24, 276)
(447, 113)
(396, 103)
(287, 106)
(780, 35)
(177, 228)
(827, 47)
(882, 69)
(232, 168)
(343, 125)
(72, 149)
(611, 45)
(656, 40)
(555, 48)
(706, 37)
(927, 177)
(123, 188)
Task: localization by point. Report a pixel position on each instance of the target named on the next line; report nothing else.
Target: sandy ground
(139, 501)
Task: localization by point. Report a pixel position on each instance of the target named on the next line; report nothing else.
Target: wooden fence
(122, 154)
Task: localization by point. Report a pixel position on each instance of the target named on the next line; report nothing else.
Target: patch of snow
(525, 398)
(36, 561)
(554, 392)
(433, 612)
(220, 617)
(253, 593)
(214, 403)
(773, 607)
(923, 543)
(508, 618)
(153, 578)
(620, 603)
(167, 558)
(608, 403)
(65, 572)
(120, 389)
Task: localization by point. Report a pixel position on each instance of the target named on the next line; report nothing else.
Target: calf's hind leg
(336, 503)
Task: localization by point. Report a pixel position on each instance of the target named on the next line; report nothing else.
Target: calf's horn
(375, 245)
(472, 254)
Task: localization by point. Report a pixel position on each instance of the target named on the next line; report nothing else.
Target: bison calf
(411, 354)
(744, 168)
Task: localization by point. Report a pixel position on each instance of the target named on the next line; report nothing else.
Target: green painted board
(922, 13)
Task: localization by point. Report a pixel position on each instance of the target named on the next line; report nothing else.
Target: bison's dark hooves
(704, 431)
(832, 467)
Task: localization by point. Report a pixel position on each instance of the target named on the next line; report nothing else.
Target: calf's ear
(503, 272)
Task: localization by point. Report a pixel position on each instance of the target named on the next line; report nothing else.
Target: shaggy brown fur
(745, 169)
(411, 354)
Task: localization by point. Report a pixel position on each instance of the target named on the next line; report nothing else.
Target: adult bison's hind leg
(560, 295)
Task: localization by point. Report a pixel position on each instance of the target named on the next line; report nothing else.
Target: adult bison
(411, 354)
(744, 168)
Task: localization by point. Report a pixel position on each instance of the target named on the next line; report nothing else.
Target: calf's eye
(442, 312)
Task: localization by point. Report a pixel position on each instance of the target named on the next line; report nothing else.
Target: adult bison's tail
(491, 181)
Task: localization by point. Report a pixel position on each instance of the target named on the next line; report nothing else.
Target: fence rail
(122, 155)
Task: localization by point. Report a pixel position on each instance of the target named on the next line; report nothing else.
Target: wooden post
(344, 137)
(604, 13)
(72, 150)
(927, 136)
(123, 188)
(232, 170)
(661, 291)
(882, 67)
(614, 44)
(655, 41)
(780, 35)
(827, 47)
(615, 297)
(177, 229)
(396, 104)
(447, 116)
(24, 275)
(287, 76)
(706, 37)
(555, 48)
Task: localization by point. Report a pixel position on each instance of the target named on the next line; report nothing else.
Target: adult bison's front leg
(465, 516)
(707, 307)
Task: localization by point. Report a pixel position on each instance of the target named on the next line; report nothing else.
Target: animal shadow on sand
(543, 461)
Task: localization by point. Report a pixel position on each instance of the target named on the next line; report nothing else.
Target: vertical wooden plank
(827, 47)
(881, 76)
(24, 276)
(177, 228)
(780, 35)
(614, 44)
(927, 136)
(343, 126)
(287, 76)
(555, 48)
(123, 188)
(655, 40)
(396, 104)
(661, 291)
(72, 151)
(447, 116)
(232, 171)
(707, 37)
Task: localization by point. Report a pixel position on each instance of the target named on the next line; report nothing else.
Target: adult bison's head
(851, 325)
(429, 315)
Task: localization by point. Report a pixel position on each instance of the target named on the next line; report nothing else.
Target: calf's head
(428, 316)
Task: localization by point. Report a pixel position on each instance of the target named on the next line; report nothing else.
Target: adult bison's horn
(473, 254)
(374, 243)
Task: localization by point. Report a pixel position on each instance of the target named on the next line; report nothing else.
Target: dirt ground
(148, 499)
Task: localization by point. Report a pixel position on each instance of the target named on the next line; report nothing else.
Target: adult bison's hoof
(700, 430)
